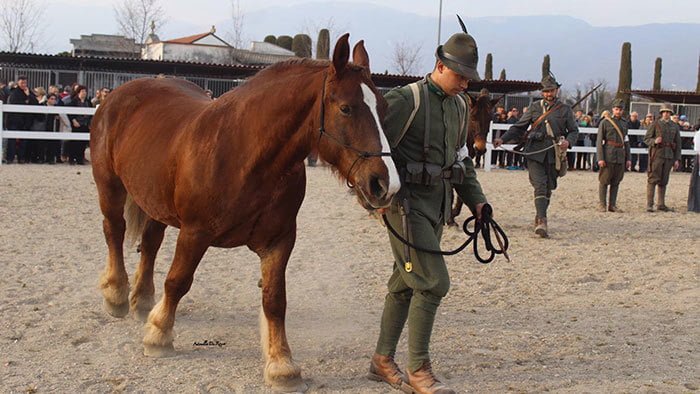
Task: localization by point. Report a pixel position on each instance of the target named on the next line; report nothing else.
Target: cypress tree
(285, 42)
(488, 72)
(323, 44)
(657, 75)
(503, 75)
(270, 39)
(625, 83)
(301, 45)
(545, 66)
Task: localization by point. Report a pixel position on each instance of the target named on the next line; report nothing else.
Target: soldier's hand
(601, 163)
(658, 140)
(676, 165)
(564, 145)
(629, 165)
(478, 209)
(497, 142)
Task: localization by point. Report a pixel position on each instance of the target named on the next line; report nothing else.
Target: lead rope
(482, 227)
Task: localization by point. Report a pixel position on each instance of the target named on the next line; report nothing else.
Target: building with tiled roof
(210, 48)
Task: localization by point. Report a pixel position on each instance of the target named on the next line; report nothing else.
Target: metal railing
(575, 149)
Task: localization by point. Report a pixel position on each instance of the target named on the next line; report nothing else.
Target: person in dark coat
(80, 124)
(20, 95)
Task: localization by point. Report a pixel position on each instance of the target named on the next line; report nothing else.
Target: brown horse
(229, 173)
(480, 116)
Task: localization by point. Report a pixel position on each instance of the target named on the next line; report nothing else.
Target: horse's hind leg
(280, 371)
(114, 281)
(141, 300)
(158, 338)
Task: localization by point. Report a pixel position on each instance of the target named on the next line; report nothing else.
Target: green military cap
(619, 103)
(549, 83)
(460, 55)
(665, 107)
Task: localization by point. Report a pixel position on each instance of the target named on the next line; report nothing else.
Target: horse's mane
(295, 65)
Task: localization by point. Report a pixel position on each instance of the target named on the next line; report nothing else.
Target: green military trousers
(660, 171)
(611, 174)
(543, 178)
(416, 295)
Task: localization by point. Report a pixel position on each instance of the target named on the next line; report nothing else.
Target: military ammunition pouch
(428, 174)
(537, 135)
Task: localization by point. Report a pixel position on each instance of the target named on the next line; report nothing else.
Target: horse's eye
(346, 110)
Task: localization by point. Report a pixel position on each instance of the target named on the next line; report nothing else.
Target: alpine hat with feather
(460, 54)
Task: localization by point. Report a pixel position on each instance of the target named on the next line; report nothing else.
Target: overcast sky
(70, 18)
(595, 12)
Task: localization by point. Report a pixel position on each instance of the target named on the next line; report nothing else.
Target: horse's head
(353, 141)
(480, 110)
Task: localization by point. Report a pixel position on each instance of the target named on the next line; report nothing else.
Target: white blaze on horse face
(371, 101)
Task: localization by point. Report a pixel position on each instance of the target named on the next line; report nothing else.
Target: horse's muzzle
(374, 192)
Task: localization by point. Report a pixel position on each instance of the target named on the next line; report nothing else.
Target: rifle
(586, 95)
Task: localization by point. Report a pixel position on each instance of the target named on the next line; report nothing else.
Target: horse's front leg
(280, 371)
(158, 338)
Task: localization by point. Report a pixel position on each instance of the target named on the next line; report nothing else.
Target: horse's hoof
(295, 385)
(158, 351)
(116, 310)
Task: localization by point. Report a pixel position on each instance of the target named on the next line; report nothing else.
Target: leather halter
(322, 130)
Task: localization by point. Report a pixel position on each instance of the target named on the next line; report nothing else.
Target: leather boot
(662, 200)
(650, 197)
(384, 369)
(541, 227)
(613, 199)
(423, 381)
(602, 196)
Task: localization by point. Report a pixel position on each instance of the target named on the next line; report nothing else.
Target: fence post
(489, 148)
(2, 128)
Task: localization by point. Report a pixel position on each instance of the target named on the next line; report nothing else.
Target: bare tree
(405, 57)
(21, 23)
(235, 33)
(135, 18)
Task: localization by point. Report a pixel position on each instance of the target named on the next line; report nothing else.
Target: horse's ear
(496, 100)
(341, 54)
(360, 56)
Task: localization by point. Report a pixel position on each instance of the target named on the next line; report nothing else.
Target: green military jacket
(670, 147)
(609, 145)
(561, 120)
(445, 141)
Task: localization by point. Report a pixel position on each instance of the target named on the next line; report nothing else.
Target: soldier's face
(550, 95)
(617, 112)
(449, 81)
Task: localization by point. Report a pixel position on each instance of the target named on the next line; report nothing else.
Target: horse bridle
(361, 154)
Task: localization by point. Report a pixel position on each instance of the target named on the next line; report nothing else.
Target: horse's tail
(136, 220)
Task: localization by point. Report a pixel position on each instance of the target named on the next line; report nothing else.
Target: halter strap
(322, 130)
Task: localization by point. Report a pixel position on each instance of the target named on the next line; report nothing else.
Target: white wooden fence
(41, 135)
(585, 149)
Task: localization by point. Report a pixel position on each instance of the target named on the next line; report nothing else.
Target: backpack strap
(463, 119)
(415, 91)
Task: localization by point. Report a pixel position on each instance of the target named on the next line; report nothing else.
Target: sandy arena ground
(609, 304)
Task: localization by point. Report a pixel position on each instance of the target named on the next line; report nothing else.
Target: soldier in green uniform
(426, 126)
(613, 149)
(553, 131)
(663, 137)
